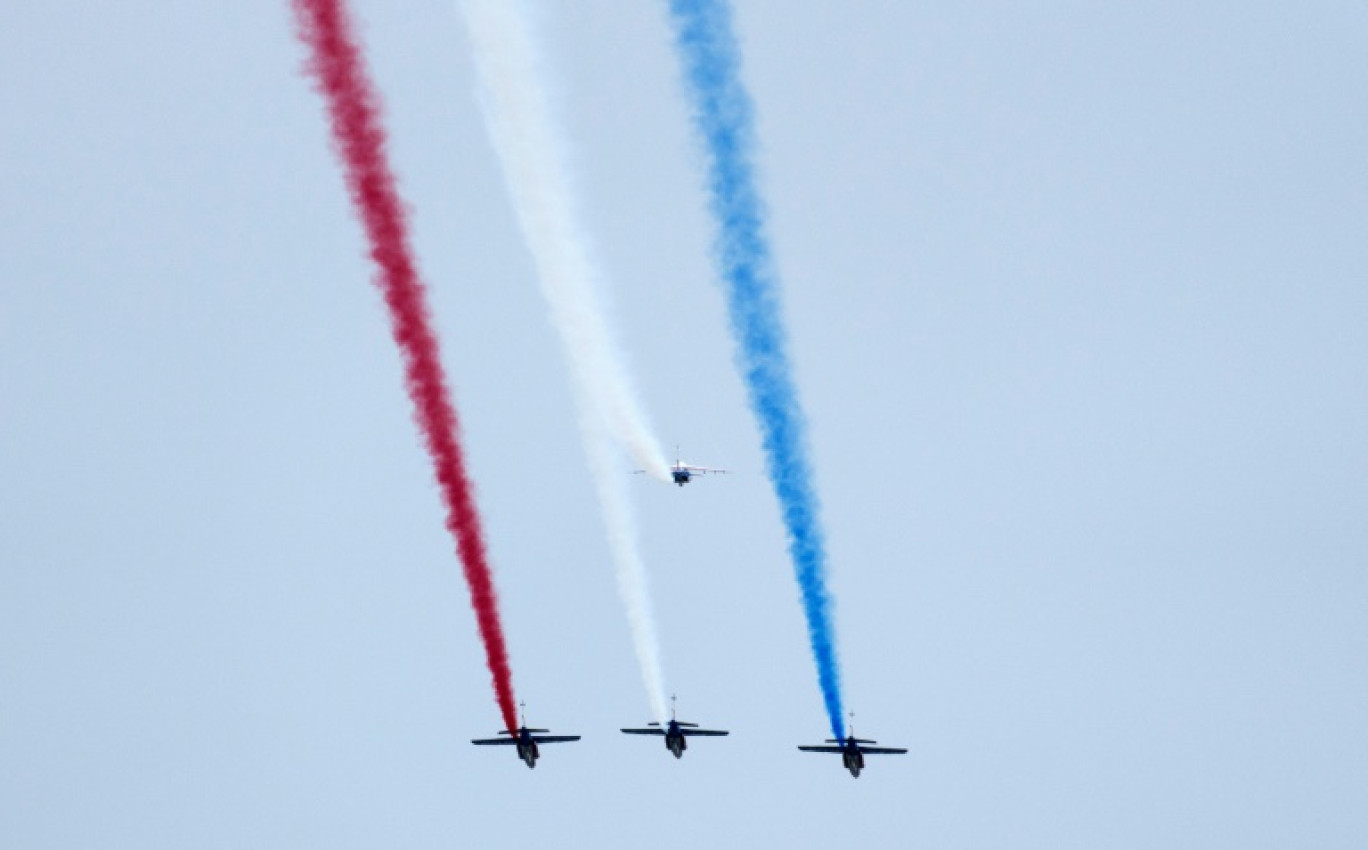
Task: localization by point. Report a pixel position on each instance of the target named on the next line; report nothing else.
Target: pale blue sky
(1077, 303)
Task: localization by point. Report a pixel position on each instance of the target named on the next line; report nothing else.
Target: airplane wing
(883, 751)
(689, 733)
(554, 739)
(487, 741)
(823, 749)
(644, 731)
(702, 469)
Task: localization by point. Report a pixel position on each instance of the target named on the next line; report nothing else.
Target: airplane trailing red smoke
(353, 107)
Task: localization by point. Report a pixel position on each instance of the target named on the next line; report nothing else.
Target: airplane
(852, 754)
(526, 740)
(676, 733)
(682, 473)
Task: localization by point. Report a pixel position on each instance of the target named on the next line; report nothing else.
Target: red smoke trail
(354, 108)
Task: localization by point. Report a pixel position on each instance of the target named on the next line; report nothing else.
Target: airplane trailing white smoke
(526, 138)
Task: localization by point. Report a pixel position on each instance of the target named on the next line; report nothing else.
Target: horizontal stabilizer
(822, 749)
(682, 723)
(856, 740)
(690, 733)
(644, 731)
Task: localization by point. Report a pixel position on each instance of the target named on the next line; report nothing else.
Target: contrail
(722, 113)
(359, 138)
(528, 142)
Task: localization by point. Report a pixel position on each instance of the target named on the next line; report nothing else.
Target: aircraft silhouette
(676, 732)
(526, 740)
(851, 750)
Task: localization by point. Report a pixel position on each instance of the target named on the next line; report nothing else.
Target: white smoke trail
(527, 140)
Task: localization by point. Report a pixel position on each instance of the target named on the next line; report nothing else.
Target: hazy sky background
(1077, 300)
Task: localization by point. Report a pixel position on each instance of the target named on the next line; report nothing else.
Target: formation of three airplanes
(677, 733)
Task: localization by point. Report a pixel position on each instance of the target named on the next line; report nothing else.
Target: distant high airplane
(682, 473)
(526, 740)
(676, 732)
(852, 754)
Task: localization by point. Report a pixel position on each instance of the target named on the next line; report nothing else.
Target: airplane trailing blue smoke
(723, 115)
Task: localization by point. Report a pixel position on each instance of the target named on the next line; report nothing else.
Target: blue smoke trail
(723, 114)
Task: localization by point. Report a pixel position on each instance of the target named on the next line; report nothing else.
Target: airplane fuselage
(675, 741)
(853, 759)
(527, 750)
(681, 476)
